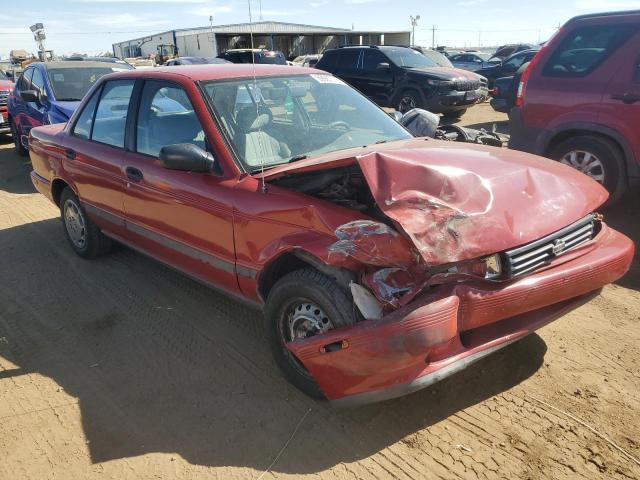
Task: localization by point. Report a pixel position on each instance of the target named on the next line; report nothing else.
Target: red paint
(448, 202)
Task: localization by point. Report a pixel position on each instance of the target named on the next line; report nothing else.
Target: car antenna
(263, 185)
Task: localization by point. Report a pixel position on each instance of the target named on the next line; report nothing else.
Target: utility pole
(414, 23)
(479, 38)
(433, 37)
(214, 42)
(39, 37)
(260, 5)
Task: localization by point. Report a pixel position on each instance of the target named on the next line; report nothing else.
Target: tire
(17, 144)
(298, 289)
(456, 113)
(77, 224)
(609, 172)
(407, 100)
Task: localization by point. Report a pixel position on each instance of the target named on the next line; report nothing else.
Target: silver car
(473, 60)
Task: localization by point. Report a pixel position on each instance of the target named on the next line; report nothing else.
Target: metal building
(290, 38)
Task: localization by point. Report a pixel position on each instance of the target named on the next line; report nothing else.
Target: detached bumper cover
(445, 331)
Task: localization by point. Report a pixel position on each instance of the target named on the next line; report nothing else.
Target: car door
(621, 100)
(94, 152)
(19, 108)
(183, 218)
(37, 111)
(378, 82)
(347, 69)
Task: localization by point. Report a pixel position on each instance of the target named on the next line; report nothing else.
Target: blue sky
(93, 25)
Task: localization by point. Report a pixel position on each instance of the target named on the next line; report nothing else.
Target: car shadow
(15, 170)
(160, 363)
(624, 216)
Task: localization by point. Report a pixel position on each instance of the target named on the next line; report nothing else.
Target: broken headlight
(489, 268)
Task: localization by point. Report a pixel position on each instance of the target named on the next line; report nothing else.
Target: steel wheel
(75, 223)
(585, 162)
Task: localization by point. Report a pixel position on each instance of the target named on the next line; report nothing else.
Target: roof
(606, 14)
(75, 64)
(218, 71)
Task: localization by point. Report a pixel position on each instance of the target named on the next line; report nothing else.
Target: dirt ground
(121, 368)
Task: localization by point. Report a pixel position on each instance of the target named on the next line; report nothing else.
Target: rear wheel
(17, 143)
(85, 237)
(596, 157)
(300, 305)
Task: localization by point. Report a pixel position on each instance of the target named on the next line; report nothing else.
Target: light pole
(414, 22)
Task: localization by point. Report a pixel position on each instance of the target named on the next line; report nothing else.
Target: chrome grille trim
(4, 96)
(540, 252)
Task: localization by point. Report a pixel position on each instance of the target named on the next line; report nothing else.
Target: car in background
(120, 63)
(195, 61)
(472, 61)
(255, 55)
(438, 58)
(306, 60)
(48, 93)
(505, 51)
(578, 101)
(402, 78)
(507, 67)
(383, 263)
(6, 86)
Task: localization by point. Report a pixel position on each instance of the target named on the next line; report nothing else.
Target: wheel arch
(57, 187)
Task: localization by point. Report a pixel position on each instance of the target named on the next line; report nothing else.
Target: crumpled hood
(458, 201)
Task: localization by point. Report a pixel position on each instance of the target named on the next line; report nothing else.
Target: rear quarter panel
(46, 150)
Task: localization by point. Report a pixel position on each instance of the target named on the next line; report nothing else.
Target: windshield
(407, 57)
(70, 84)
(283, 119)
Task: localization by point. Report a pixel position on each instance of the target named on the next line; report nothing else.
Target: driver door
(182, 218)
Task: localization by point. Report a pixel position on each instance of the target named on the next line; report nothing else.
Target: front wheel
(596, 157)
(17, 142)
(300, 305)
(408, 100)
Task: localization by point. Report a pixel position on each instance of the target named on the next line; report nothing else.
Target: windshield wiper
(68, 99)
(381, 141)
(296, 158)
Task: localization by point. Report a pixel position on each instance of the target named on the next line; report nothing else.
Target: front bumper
(452, 100)
(453, 326)
(4, 120)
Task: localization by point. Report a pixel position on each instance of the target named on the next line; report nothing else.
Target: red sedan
(383, 262)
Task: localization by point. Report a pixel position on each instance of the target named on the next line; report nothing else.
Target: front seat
(257, 146)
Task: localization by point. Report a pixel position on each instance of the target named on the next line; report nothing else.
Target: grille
(466, 85)
(4, 95)
(535, 254)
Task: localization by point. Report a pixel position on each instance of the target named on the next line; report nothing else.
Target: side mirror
(383, 66)
(30, 96)
(186, 157)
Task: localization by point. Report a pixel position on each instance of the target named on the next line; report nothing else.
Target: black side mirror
(383, 66)
(30, 96)
(187, 157)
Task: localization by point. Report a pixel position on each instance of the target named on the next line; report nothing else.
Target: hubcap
(74, 223)
(585, 162)
(305, 320)
(406, 103)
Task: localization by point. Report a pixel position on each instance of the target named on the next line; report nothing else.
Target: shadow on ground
(625, 217)
(160, 363)
(15, 170)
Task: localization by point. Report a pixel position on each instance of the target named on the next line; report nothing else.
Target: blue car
(48, 93)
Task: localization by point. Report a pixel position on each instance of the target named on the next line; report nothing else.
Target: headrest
(249, 120)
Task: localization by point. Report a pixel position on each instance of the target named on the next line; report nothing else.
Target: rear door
(378, 83)
(94, 153)
(347, 68)
(183, 218)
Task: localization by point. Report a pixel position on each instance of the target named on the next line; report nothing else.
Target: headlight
(489, 268)
(439, 83)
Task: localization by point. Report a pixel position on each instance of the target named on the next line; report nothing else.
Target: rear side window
(25, 80)
(37, 81)
(328, 60)
(82, 128)
(111, 114)
(585, 49)
(349, 58)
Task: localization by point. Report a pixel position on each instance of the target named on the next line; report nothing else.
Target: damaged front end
(432, 247)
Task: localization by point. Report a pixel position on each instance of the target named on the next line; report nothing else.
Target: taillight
(522, 86)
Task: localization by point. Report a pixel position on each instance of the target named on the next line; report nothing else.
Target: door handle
(627, 98)
(134, 174)
(70, 154)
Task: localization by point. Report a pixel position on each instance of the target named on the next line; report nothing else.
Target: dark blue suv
(49, 93)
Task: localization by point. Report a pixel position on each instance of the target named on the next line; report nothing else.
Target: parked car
(508, 50)
(245, 55)
(472, 61)
(306, 60)
(383, 262)
(120, 63)
(49, 93)
(579, 100)
(6, 86)
(436, 57)
(507, 67)
(402, 78)
(196, 61)
(505, 91)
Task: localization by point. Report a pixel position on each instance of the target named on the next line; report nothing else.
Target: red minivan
(579, 100)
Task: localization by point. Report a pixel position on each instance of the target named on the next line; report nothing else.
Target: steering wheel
(339, 124)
